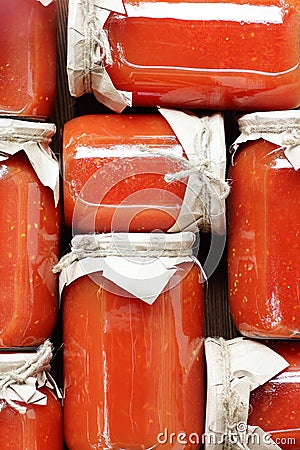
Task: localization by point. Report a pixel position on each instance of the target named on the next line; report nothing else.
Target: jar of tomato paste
(29, 233)
(264, 224)
(27, 57)
(133, 341)
(275, 405)
(30, 412)
(253, 395)
(237, 54)
(144, 172)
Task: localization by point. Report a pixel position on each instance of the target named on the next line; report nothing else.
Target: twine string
(290, 132)
(93, 246)
(97, 49)
(40, 363)
(276, 128)
(22, 138)
(202, 167)
(213, 188)
(232, 406)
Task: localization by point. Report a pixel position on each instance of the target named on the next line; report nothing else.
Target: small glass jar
(263, 226)
(133, 341)
(27, 58)
(116, 169)
(275, 405)
(29, 233)
(31, 413)
(241, 55)
(39, 428)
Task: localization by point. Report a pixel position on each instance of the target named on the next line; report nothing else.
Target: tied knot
(83, 246)
(18, 378)
(39, 364)
(205, 188)
(85, 242)
(202, 166)
(200, 163)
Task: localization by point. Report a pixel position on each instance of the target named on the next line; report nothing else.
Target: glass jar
(116, 168)
(252, 394)
(29, 233)
(133, 341)
(30, 416)
(264, 223)
(27, 57)
(275, 405)
(39, 428)
(241, 54)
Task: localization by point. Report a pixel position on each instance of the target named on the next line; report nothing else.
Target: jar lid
(34, 139)
(22, 374)
(21, 131)
(142, 264)
(134, 244)
(269, 122)
(281, 128)
(86, 38)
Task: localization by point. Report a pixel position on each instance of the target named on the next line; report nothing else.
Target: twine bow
(201, 165)
(39, 364)
(82, 247)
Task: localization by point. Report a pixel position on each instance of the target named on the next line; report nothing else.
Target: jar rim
(270, 121)
(22, 130)
(139, 244)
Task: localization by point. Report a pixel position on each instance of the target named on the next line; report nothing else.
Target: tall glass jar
(133, 341)
(30, 412)
(239, 54)
(264, 224)
(27, 57)
(29, 233)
